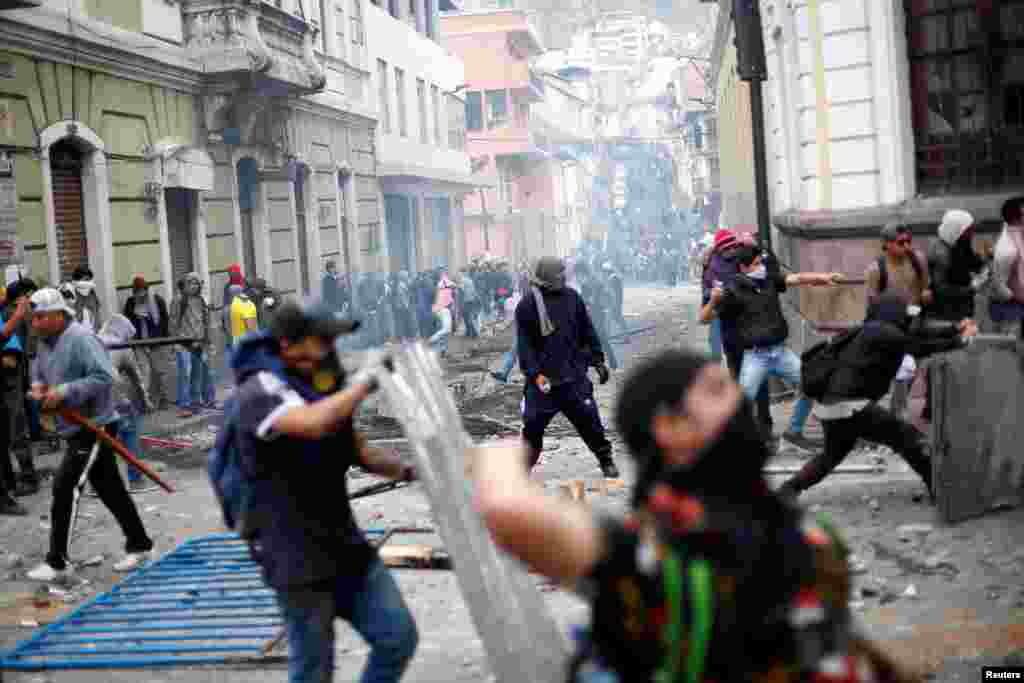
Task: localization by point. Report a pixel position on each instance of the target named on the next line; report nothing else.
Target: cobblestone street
(942, 598)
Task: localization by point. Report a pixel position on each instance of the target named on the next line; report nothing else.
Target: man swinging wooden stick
(73, 372)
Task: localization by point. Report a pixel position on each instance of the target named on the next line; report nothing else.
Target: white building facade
(879, 111)
(423, 169)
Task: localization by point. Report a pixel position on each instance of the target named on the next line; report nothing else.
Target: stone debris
(911, 592)
(13, 561)
(94, 561)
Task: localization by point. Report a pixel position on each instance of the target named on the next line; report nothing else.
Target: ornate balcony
(254, 46)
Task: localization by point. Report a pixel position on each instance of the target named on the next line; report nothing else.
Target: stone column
(96, 195)
(52, 240)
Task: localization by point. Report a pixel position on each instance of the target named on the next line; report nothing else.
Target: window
(403, 120)
(967, 93)
(435, 100)
(421, 100)
(506, 188)
(356, 19)
(339, 28)
(456, 123)
(497, 108)
(474, 111)
(382, 89)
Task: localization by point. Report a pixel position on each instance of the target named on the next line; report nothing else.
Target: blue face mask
(758, 273)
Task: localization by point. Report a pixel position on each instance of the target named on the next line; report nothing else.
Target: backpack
(231, 484)
(818, 363)
(883, 270)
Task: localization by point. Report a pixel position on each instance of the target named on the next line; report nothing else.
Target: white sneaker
(47, 574)
(133, 561)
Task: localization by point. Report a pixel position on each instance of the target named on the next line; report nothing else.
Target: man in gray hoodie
(74, 370)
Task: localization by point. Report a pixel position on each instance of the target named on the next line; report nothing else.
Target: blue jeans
(715, 340)
(374, 607)
(510, 361)
(195, 379)
(760, 363)
(128, 433)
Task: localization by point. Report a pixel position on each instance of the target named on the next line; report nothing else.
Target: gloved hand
(603, 373)
(370, 373)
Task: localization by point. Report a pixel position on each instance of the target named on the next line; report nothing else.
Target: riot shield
(522, 640)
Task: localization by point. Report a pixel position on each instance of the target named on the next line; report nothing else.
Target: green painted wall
(127, 115)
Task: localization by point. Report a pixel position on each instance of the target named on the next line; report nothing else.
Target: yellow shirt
(241, 310)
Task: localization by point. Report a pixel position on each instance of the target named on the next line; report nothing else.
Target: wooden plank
(414, 557)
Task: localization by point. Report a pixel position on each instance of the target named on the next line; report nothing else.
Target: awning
(176, 164)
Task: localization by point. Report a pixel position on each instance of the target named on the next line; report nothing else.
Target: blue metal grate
(204, 603)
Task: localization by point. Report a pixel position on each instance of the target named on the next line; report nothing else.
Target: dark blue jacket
(566, 355)
(305, 530)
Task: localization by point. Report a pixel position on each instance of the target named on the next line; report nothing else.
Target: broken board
(977, 430)
(522, 640)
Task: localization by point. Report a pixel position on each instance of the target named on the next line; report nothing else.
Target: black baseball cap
(294, 321)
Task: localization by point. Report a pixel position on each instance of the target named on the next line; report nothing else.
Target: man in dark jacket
(953, 265)
(597, 297)
(330, 286)
(557, 344)
(868, 364)
(297, 438)
(147, 311)
(752, 302)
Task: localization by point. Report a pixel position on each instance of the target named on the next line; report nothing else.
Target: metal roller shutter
(66, 173)
(179, 232)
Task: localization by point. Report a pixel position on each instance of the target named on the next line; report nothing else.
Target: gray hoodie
(77, 361)
(130, 394)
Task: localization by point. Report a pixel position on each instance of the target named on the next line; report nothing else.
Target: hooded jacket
(305, 529)
(1008, 266)
(190, 314)
(952, 264)
(565, 355)
(76, 361)
(869, 363)
(754, 308)
(156, 307)
(130, 397)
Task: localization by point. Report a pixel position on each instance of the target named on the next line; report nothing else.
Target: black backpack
(883, 271)
(818, 363)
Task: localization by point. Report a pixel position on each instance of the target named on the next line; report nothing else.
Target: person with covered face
(954, 266)
(710, 576)
(86, 301)
(868, 363)
(190, 317)
(557, 345)
(147, 311)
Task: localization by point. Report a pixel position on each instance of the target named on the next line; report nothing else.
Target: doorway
(66, 172)
(398, 212)
(248, 187)
(302, 258)
(180, 238)
(440, 218)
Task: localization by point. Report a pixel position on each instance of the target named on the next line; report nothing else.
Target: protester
(131, 400)
(265, 299)
(297, 435)
(444, 303)
(557, 345)
(953, 268)
(710, 577)
(11, 428)
(330, 286)
(867, 365)
(470, 304)
(513, 353)
(753, 303)
(147, 311)
(598, 300)
(87, 302)
(190, 318)
(899, 268)
(73, 370)
(1007, 307)
(242, 314)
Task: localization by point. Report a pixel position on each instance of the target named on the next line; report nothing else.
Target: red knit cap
(235, 268)
(724, 238)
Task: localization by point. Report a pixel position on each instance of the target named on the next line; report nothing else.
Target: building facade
(525, 127)
(423, 169)
(876, 111)
(154, 138)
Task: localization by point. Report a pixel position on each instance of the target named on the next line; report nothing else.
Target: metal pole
(764, 225)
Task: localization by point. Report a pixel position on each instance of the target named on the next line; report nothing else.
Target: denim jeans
(128, 433)
(510, 361)
(374, 607)
(195, 379)
(715, 340)
(760, 363)
(439, 340)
